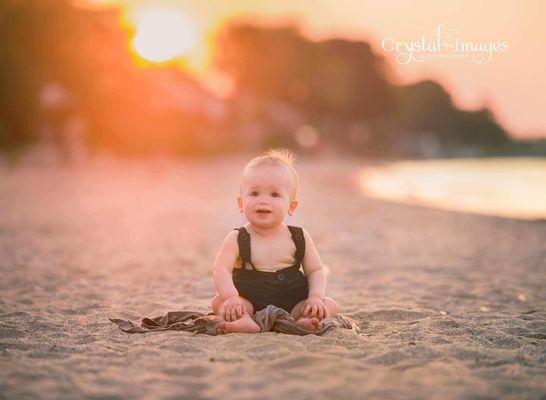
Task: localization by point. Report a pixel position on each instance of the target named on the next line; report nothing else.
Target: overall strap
(243, 240)
(299, 241)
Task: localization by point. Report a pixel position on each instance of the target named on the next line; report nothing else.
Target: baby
(259, 263)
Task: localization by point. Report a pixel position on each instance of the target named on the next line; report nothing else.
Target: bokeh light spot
(307, 136)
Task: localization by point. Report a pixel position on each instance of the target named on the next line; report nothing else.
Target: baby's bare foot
(312, 323)
(245, 324)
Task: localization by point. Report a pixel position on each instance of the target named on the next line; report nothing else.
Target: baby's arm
(312, 265)
(233, 306)
(223, 266)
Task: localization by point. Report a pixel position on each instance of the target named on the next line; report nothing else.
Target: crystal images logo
(445, 44)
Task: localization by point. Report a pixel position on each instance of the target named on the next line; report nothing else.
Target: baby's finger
(309, 311)
(322, 312)
(306, 310)
(315, 310)
(239, 311)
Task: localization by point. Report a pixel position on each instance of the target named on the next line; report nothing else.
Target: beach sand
(451, 305)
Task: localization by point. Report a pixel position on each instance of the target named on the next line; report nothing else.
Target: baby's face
(267, 195)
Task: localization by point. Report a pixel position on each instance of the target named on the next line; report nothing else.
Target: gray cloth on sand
(270, 319)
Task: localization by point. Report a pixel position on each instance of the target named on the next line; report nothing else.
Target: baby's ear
(293, 206)
(240, 203)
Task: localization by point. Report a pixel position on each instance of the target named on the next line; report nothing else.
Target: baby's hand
(314, 307)
(234, 308)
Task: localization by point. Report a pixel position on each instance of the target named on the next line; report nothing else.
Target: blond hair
(274, 157)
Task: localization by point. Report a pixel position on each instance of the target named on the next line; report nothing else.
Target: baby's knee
(216, 302)
(332, 306)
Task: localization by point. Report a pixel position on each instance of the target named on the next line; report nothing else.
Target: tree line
(62, 63)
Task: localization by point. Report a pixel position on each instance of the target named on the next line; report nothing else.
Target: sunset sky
(512, 84)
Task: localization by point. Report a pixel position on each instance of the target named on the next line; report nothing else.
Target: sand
(451, 305)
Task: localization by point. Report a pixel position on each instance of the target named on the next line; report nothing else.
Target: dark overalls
(283, 288)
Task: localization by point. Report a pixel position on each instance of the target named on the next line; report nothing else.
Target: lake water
(510, 187)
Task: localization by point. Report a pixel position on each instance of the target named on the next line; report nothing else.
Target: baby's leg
(218, 306)
(332, 308)
(313, 323)
(245, 324)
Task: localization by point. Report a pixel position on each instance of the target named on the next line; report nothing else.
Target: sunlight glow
(163, 35)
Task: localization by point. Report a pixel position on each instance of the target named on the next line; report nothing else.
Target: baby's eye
(275, 194)
(254, 193)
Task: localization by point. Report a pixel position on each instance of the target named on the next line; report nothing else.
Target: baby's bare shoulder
(231, 238)
(228, 253)
(306, 235)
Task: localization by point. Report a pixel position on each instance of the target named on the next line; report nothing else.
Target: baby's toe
(220, 328)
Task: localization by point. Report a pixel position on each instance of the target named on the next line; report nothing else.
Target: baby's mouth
(263, 211)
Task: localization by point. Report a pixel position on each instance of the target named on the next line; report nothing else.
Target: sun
(162, 35)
